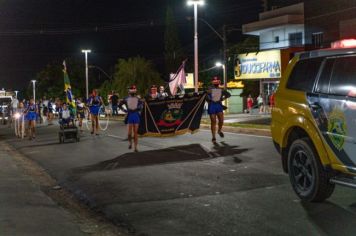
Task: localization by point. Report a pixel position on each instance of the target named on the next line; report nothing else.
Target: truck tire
(309, 179)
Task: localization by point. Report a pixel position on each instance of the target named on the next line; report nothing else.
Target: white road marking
(115, 136)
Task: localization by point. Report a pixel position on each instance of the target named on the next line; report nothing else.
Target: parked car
(314, 121)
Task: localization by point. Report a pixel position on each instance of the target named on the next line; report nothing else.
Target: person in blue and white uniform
(216, 96)
(65, 116)
(31, 117)
(80, 112)
(133, 105)
(94, 104)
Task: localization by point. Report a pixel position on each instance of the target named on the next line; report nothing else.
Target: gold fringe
(179, 132)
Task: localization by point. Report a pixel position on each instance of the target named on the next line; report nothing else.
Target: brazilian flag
(68, 90)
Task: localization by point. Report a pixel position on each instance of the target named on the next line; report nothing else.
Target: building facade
(281, 33)
(327, 21)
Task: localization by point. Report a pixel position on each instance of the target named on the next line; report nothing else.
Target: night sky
(34, 33)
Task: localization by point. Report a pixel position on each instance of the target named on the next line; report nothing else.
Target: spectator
(271, 102)
(162, 94)
(114, 99)
(249, 103)
(260, 103)
(153, 94)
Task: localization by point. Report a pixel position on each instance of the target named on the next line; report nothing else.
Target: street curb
(240, 130)
(261, 132)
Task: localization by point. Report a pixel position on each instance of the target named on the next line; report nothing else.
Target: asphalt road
(185, 185)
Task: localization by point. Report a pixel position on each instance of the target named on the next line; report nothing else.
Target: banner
(178, 80)
(172, 116)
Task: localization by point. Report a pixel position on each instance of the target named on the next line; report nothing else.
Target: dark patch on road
(193, 152)
(224, 149)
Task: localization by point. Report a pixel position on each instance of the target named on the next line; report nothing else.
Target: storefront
(267, 67)
(235, 102)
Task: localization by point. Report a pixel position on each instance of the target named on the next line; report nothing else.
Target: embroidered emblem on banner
(172, 116)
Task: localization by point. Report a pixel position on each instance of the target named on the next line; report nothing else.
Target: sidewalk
(25, 209)
(248, 118)
(243, 118)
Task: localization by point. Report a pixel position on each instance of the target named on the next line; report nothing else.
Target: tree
(106, 89)
(50, 80)
(137, 71)
(173, 51)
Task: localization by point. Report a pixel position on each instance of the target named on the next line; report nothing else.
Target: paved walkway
(253, 118)
(24, 209)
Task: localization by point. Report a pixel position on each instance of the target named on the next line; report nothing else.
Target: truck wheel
(308, 178)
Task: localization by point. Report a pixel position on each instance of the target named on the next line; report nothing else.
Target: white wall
(267, 38)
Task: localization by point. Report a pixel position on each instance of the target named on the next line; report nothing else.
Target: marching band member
(95, 102)
(80, 113)
(215, 108)
(31, 117)
(133, 106)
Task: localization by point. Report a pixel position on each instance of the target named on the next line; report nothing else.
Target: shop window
(276, 39)
(296, 39)
(304, 74)
(317, 39)
(343, 78)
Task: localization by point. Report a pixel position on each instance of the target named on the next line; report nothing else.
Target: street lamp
(16, 92)
(219, 64)
(34, 90)
(86, 51)
(195, 3)
(223, 38)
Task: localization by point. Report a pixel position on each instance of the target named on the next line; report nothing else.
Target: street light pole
(16, 92)
(86, 51)
(195, 3)
(225, 55)
(223, 38)
(223, 66)
(196, 59)
(34, 90)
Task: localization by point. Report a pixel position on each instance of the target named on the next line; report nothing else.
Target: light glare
(195, 2)
(86, 51)
(218, 64)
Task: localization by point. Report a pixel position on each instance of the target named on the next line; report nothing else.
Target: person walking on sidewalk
(215, 107)
(114, 99)
(271, 102)
(249, 103)
(260, 103)
(133, 105)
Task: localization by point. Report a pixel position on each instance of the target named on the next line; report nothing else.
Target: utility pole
(86, 51)
(265, 5)
(225, 56)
